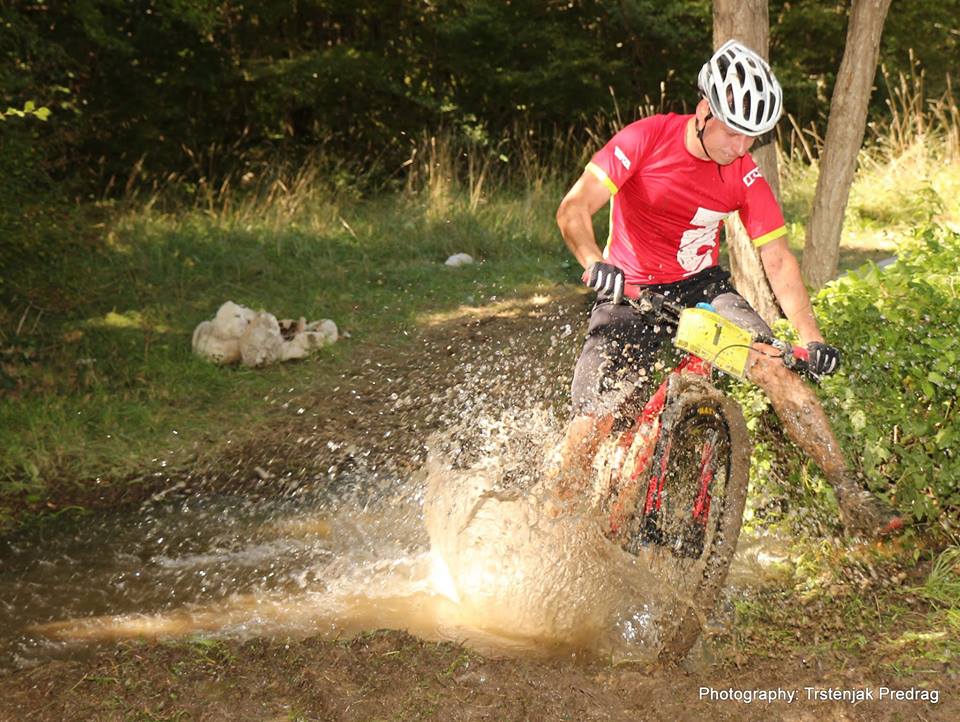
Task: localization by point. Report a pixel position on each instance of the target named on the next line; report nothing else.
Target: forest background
(144, 88)
(320, 158)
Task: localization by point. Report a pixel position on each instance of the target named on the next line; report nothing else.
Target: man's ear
(702, 112)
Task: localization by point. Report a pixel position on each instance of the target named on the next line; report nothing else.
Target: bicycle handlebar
(795, 358)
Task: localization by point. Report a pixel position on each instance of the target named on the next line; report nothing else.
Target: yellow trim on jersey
(602, 176)
(771, 236)
(606, 248)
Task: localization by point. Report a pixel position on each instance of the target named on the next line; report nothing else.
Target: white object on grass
(256, 339)
(459, 259)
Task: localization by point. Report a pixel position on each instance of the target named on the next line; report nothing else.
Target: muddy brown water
(457, 549)
(437, 555)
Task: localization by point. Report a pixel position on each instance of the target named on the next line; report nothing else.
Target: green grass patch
(850, 602)
(105, 384)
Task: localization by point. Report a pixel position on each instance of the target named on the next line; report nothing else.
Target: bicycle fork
(688, 541)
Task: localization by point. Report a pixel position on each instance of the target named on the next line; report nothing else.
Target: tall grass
(96, 367)
(908, 169)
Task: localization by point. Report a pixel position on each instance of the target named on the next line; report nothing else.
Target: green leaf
(858, 419)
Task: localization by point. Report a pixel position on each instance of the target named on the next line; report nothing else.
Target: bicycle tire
(695, 414)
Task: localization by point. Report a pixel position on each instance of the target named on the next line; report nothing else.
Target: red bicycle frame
(651, 411)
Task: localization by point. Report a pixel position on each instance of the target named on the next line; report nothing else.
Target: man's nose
(742, 144)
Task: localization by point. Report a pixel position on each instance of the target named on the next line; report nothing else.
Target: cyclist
(671, 180)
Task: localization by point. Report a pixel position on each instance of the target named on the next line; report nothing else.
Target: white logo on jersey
(697, 244)
(750, 178)
(621, 156)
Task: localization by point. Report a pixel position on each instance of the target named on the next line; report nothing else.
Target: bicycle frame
(651, 412)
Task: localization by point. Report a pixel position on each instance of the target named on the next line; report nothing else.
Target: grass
(941, 590)
(908, 173)
(856, 603)
(98, 381)
(103, 383)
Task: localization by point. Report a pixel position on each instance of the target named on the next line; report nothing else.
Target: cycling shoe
(865, 514)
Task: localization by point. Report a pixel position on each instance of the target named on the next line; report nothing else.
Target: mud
(379, 417)
(393, 676)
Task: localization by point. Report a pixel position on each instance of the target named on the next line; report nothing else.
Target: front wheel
(687, 504)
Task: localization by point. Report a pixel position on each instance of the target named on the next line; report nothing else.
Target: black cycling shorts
(624, 348)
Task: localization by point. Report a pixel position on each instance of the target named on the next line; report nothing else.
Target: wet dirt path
(393, 676)
(376, 418)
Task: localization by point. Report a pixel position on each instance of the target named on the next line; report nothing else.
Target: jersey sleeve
(760, 212)
(618, 160)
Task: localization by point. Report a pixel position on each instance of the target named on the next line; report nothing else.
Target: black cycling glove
(605, 279)
(824, 358)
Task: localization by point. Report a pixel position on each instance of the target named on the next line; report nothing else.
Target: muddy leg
(807, 425)
(800, 412)
(584, 435)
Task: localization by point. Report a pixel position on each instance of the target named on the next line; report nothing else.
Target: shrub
(894, 402)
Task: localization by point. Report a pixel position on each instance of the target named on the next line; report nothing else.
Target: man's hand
(824, 358)
(605, 278)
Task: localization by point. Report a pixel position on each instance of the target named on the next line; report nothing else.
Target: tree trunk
(749, 22)
(845, 126)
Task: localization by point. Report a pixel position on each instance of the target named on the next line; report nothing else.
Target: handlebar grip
(800, 362)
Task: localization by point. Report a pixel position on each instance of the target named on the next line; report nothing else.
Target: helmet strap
(700, 135)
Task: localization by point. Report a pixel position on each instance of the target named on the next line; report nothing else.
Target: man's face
(723, 143)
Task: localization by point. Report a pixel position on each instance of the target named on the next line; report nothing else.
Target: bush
(894, 402)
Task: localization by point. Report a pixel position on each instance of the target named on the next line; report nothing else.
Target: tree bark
(845, 127)
(749, 22)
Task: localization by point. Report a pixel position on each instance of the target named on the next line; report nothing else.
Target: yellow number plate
(714, 339)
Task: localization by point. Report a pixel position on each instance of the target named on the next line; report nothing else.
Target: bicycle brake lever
(796, 358)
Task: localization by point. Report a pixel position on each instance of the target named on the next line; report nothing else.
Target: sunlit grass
(908, 173)
(97, 369)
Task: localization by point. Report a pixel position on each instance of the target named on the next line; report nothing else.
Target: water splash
(468, 547)
(464, 554)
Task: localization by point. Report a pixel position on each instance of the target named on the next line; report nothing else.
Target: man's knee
(767, 371)
(584, 434)
(587, 427)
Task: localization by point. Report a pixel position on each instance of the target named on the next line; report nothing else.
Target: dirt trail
(393, 676)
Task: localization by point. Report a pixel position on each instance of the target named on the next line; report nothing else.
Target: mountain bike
(673, 472)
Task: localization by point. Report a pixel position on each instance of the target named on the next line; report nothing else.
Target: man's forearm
(783, 273)
(577, 229)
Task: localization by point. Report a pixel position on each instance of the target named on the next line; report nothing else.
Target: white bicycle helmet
(741, 89)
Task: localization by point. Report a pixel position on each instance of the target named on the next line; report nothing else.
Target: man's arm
(575, 217)
(783, 272)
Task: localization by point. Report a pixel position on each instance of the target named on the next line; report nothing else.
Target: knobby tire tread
(693, 392)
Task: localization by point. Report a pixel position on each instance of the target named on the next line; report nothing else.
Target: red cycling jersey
(668, 205)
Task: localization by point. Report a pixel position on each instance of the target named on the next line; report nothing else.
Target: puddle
(443, 555)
